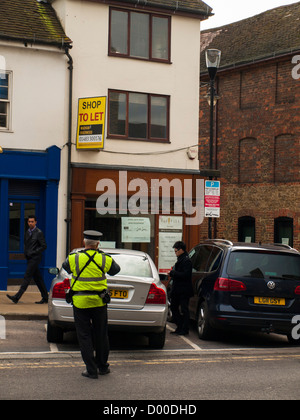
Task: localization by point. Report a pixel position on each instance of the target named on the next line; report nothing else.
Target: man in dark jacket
(182, 289)
(34, 246)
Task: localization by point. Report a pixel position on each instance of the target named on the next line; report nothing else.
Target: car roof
(117, 251)
(251, 246)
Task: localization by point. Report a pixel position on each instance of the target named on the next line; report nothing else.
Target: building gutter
(62, 43)
(69, 144)
(173, 8)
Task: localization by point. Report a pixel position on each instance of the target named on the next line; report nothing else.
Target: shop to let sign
(212, 199)
(91, 123)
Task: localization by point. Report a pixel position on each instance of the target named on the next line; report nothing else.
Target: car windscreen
(264, 265)
(133, 265)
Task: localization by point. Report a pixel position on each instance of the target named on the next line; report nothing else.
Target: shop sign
(91, 123)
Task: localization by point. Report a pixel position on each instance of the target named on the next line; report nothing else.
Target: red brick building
(256, 126)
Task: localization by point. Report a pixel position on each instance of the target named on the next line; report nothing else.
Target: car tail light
(59, 289)
(156, 295)
(297, 290)
(228, 285)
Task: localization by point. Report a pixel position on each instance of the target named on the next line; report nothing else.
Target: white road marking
(184, 338)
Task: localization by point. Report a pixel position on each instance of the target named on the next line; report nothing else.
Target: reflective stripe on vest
(91, 279)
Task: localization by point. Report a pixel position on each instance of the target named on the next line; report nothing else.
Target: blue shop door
(19, 210)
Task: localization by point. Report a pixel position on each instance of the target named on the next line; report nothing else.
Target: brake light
(297, 290)
(59, 289)
(228, 285)
(156, 295)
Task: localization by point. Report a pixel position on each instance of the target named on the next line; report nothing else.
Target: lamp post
(213, 58)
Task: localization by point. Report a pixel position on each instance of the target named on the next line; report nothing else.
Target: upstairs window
(138, 116)
(139, 35)
(4, 100)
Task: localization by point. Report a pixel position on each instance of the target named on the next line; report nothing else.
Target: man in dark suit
(34, 246)
(182, 289)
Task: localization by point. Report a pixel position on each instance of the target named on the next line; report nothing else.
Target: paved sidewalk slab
(26, 308)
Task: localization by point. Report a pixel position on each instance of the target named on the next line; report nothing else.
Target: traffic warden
(89, 267)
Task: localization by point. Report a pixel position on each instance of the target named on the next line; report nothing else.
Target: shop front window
(122, 230)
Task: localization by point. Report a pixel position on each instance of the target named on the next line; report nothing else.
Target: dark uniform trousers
(95, 320)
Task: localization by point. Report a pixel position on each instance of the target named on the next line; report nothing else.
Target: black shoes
(42, 301)
(179, 332)
(16, 300)
(13, 298)
(182, 333)
(104, 372)
(86, 374)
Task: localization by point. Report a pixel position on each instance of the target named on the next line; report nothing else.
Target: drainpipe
(69, 144)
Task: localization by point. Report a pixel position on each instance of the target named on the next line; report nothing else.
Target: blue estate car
(245, 286)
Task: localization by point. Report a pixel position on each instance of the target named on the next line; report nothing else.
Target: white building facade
(143, 57)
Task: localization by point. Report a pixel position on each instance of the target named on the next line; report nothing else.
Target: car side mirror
(53, 270)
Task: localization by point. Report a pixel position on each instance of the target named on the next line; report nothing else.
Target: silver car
(138, 303)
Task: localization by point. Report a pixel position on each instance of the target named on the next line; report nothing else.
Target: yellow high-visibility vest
(91, 279)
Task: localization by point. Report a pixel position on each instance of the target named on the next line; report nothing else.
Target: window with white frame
(5, 81)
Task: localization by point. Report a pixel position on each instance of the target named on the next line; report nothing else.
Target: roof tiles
(31, 21)
(266, 35)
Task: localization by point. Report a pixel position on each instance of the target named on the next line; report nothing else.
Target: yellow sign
(91, 123)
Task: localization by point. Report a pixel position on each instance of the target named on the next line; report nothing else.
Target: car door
(199, 257)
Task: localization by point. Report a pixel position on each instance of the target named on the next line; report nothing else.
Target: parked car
(246, 286)
(138, 299)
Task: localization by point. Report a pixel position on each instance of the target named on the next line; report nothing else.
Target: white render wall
(39, 110)
(87, 24)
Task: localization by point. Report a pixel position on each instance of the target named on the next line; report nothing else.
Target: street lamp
(213, 58)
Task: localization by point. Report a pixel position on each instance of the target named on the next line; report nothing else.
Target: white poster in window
(136, 229)
(166, 256)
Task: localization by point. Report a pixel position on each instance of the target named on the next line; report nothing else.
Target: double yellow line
(45, 363)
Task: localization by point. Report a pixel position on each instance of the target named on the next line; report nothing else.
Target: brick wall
(256, 147)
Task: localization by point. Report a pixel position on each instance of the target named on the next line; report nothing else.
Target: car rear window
(264, 265)
(133, 265)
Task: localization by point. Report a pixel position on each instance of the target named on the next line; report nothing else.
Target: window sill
(151, 60)
(139, 140)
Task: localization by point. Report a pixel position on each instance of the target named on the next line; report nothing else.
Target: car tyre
(157, 340)
(54, 334)
(204, 329)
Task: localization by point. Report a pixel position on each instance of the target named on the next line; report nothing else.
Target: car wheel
(54, 334)
(157, 340)
(203, 327)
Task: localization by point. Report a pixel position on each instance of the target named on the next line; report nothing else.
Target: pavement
(26, 308)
